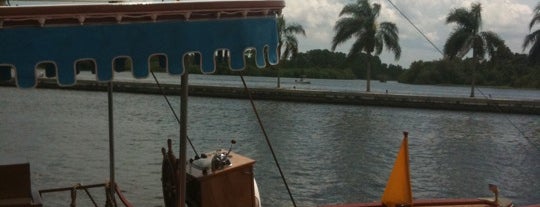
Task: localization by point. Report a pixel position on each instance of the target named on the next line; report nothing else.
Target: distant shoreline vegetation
(505, 70)
(510, 70)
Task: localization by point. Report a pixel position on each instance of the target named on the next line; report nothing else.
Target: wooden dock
(352, 98)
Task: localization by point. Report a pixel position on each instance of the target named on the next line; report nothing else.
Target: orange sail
(398, 189)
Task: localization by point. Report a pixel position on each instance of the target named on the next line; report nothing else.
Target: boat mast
(112, 182)
(182, 155)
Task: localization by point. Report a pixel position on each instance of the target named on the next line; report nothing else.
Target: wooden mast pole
(111, 139)
(182, 156)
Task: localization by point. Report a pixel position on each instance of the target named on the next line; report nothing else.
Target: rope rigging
(267, 139)
(521, 132)
(415, 27)
(172, 110)
(477, 88)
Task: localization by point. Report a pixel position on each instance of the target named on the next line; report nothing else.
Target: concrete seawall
(359, 98)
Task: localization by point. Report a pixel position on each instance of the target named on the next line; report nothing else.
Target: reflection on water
(329, 153)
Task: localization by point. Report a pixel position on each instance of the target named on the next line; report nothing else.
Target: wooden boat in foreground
(110, 35)
(398, 191)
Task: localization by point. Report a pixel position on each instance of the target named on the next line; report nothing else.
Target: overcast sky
(508, 18)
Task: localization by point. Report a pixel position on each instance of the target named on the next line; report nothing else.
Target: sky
(508, 18)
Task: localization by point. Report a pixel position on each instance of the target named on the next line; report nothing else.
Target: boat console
(15, 187)
(223, 178)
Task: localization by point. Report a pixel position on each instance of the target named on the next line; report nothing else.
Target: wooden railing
(110, 201)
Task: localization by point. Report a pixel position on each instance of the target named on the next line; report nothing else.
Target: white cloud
(508, 18)
(316, 16)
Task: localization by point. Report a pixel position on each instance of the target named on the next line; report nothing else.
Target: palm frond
(492, 42)
(375, 10)
(536, 16)
(295, 29)
(533, 40)
(287, 37)
(457, 44)
(476, 14)
(352, 9)
(534, 53)
(281, 24)
(291, 45)
(464, 19)
(345, 28)
(359, 46)
(478, 47)
(378, 43)
(457, 16)
(465, 47)
(389, 35)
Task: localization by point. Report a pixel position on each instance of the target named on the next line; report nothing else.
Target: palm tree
(359, 20)
(287, 41)
(467, 35)
(533, 38)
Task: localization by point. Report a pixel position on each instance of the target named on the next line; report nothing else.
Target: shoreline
(531, 107)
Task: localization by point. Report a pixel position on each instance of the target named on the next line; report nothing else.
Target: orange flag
(398, 189)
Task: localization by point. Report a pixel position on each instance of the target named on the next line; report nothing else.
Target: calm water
(329, 153)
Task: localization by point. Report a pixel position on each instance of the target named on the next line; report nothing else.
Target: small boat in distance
(302, 80)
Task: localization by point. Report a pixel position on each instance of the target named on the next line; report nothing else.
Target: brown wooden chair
(15, 185)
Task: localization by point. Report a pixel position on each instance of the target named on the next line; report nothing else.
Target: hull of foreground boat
(434, 202)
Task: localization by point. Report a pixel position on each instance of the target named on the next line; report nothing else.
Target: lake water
(329, 153)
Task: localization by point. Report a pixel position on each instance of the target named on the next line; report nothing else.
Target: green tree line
(510, 70)
(317, 63)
